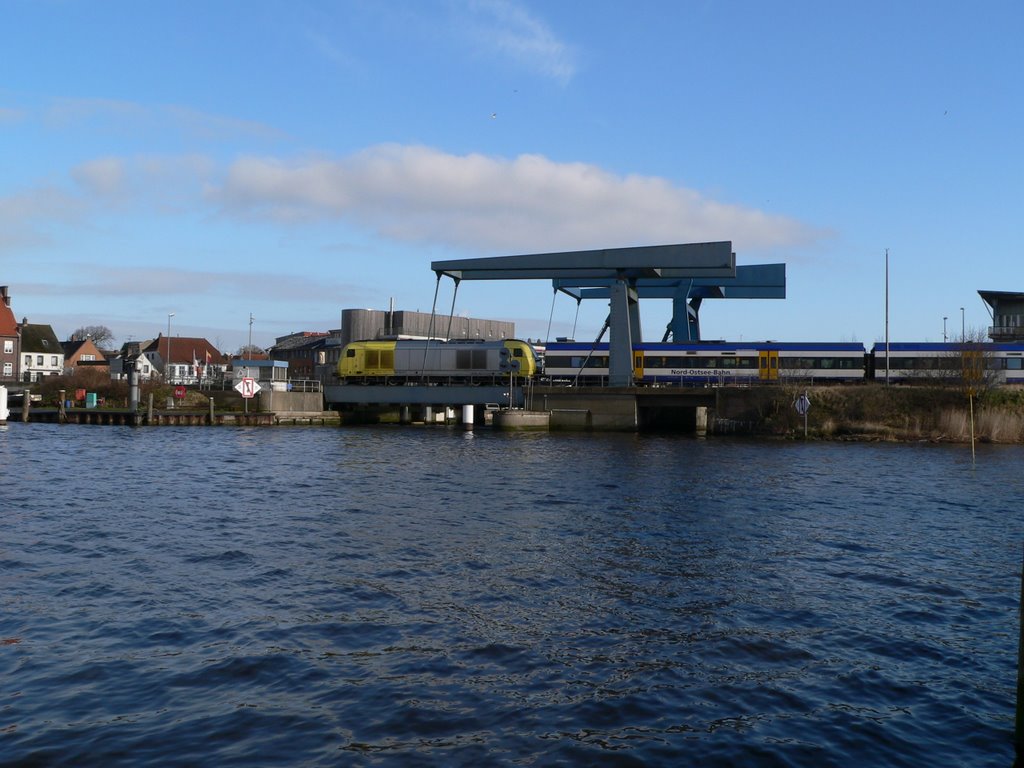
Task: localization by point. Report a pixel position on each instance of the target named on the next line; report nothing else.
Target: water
(421, 596)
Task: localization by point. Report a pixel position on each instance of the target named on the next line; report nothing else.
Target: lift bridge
(687, 274)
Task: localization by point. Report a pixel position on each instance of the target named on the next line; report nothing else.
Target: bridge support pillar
(702, 420)
(467, 416)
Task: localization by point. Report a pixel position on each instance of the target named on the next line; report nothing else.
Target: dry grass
(885, 413)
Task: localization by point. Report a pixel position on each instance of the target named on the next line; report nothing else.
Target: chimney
(5, 295)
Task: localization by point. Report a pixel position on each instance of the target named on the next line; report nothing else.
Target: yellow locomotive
(458, 360)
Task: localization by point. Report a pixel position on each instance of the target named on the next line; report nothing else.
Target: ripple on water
(659, 601)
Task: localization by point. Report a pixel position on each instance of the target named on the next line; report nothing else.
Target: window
(53, 361)
(8, 346)
(9, 370)
(87, 357)
(39, 359)
(28, 360)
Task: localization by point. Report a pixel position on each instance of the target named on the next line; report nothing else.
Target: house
(83, 354)
(41, 354)
(303, 351)
(132, 351)
(185, 359)
(10, 339)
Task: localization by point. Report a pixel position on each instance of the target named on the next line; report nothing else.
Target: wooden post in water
(26, 405)
(971, 399)
(211, 412)
(149, 410)
(62, 415)
(1019, 723)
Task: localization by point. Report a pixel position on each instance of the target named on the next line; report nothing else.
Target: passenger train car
(456, 361)
(712, 362)
(937, 361)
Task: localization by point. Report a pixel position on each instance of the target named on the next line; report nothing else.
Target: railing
(1006, 332)
(305, 385)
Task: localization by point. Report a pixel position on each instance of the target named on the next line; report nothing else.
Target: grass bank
(875, 412)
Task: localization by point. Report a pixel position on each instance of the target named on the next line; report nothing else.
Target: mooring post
(1019, 722)
(211, 412)
(149, 410)
(62, 415)
(26, 405)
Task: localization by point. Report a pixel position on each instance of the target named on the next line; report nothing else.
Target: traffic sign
(802, 404)
(179, 392)
(248, 387)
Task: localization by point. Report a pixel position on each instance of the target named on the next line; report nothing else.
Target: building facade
(10, 339)
(1007, 315)
(41, 353)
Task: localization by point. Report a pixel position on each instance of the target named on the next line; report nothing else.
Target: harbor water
(429, 596)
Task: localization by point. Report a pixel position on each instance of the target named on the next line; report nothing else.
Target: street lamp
(167, 362)
(963, 331)
(944, 337)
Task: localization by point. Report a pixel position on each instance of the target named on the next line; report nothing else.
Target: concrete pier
(522, 420)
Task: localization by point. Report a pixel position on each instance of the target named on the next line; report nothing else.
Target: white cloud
(8, 115)
(21, 213)
(160, 283)
(133, 117)
(104, 176)
(505, 28)
(481, 203)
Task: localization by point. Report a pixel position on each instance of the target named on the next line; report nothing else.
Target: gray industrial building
(365, 324)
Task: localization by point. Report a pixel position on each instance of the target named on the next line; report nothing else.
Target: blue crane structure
(686, 273)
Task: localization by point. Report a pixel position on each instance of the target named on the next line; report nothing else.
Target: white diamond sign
(248, 387)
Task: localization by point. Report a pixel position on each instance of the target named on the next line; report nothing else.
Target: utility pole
(887, 317)
(167, 362)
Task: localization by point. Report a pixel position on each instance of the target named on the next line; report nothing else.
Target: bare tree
(100, 334)
(971, 365)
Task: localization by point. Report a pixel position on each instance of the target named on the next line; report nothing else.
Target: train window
(517, 352)
(1013, 363)
(350, 353)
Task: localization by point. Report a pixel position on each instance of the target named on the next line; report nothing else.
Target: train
(458, 361)
(722, 362)
(699, 363)
(995, 363)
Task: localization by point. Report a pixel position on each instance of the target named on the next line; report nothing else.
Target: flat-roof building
(1007, 315)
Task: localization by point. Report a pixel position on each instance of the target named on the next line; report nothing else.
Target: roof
(186, 349)
(8, 323)
(299, 340)
(39, 338)
(81, 346)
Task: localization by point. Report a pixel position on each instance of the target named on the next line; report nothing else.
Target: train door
(768, 365)
(638, 365)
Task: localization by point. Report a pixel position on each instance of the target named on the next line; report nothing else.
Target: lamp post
(963, 328)
(944, 337)
(167, 362)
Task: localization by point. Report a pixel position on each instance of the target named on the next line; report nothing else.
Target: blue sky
(291, 159)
